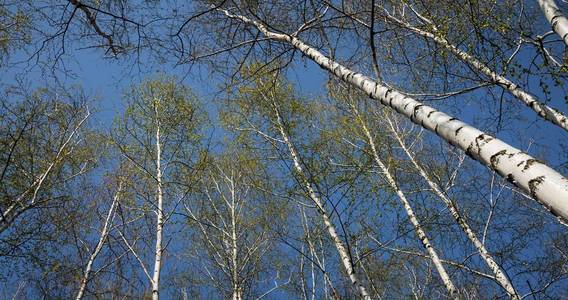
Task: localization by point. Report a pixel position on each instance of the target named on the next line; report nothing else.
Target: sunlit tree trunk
(159, 211)
(237, 289)
(315, 257)
(538, 180)
(409, 211)
(500, 276)
(339, 245)
(100, 244)
(556, 18)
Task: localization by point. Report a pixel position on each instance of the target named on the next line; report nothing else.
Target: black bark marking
(494, 160)
(510, 178)
(533, 185)
(485, 138)
(529, 162)
(387, 97)
(458, 130)
(468, 151)
(415, 112)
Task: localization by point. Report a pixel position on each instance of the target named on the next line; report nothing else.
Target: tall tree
(543, 110)
(266, 99)
(159, 136)
(105, 230)
(233, 214)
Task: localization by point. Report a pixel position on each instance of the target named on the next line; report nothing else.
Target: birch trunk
(343, 253)
(237, 290)
(546, 112)
(556, 18)
(315, 257)
(100, 244)
(410, 212)
(538, 180)
(500, 276)
(159, 211)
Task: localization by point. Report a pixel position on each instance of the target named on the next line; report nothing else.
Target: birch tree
(43, 151)
(47, 161)
(107, 226)
(316, 249)
(232, 216)
(408, 208)
(500, 276)
(159, 137)
(556, 18)
(268, 92)
(543, 183)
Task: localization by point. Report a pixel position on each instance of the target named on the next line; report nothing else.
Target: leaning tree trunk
(339, 245)
(159, 212)
(100, 244)
(546, 112)
(500, 276)
(409, 211)
(541, 182)
(556, 18)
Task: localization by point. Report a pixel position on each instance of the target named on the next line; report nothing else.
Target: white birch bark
(409, 212)
(339, 245)
(500, 276)
(159, 211)
(546, 112)
(543, 183)
(556, 18)
(237, 289)
(100, 244)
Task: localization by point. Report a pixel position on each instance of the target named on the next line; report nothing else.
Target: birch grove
(543, 183)
(285, 149)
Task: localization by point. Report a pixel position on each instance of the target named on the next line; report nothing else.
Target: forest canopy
(298, 149)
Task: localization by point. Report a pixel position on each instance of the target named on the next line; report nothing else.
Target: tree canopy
(303, 149)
